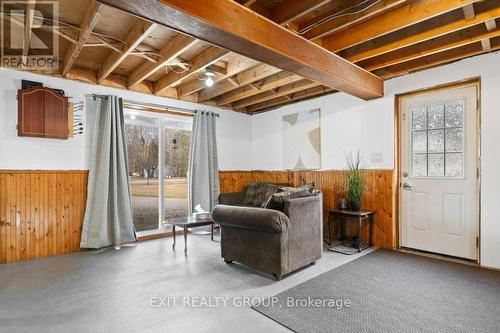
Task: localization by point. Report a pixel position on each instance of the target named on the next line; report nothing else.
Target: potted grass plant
(355, 179)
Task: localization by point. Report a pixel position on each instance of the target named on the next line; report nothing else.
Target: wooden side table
(190, 222)
(340, 216)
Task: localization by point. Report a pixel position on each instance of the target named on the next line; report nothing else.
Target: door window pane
(454, 165)
(419, 167)
(420, 142)
(436, 165)
(455, 114)
(419, 118)
(454, 140)
(436, 116)
(437, 140)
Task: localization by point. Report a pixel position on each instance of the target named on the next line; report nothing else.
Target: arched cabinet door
(42, 113)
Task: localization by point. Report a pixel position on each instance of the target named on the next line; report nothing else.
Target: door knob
(406, 186)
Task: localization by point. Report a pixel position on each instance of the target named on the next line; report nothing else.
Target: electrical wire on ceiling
(102, 35)
(340, 14)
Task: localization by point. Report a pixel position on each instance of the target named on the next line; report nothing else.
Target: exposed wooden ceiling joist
(254, 36)
(168, 54)
(278, 92)
(204, 59)
(401, 17)
(279, 101)
(436, 59)
(134, 37)
(92, 15)
(421, 32)
(345, 21)
(453, 40)
(249, 76)
(269, 83)
(235, 66)
(291, 10)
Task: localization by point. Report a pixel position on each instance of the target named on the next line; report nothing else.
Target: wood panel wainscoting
(41, 213)
(378, 196)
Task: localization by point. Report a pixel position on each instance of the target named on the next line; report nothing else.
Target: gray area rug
(390, 291)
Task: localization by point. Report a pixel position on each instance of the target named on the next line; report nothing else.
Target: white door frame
(471, 82)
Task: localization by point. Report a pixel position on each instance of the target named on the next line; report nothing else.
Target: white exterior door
(439, 191)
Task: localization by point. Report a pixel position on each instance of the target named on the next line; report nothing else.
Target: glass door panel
(142, 135)
(177, 140)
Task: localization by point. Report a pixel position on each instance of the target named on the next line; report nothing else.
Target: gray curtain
(203, 168)
(108, 215)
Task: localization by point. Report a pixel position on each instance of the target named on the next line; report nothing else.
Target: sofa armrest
(251, 218)
(234, 198)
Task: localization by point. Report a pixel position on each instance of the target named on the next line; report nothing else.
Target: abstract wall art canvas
(302, 140)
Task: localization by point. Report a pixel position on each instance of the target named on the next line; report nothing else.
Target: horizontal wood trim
(41, 213)
(43, 171)
(378, 197)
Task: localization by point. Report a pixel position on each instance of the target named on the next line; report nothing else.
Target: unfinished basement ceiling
(101, 44)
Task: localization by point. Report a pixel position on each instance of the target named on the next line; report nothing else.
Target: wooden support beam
(135, 36)
(92, 15)
(229, 25)
(201, 61)
(249, 76)
(436, 27)
(279, 101)
(288, 11)
(28, 25)
(345, 21)
(169, 53)
(450, 41)
(235, 66)
(278, 92)
(272, 82)
(469, 13)
(401, 17)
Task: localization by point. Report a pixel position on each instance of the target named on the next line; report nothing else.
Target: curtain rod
(159, 106)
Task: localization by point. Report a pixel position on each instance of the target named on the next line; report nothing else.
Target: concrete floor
(111, 291)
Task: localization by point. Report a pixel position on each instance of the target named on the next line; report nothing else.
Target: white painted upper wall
(233, 129)
(348, 123)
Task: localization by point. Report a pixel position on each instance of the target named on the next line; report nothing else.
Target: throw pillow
(277, 200)
(272, 189)
(250, 194)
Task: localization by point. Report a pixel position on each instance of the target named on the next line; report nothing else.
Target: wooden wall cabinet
(42, 112)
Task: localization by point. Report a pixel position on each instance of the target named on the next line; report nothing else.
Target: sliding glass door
(158, 157)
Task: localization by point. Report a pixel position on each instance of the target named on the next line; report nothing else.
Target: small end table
(340, 216)
(189, 222)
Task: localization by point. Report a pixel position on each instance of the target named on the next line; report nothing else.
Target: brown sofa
(270, 240)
